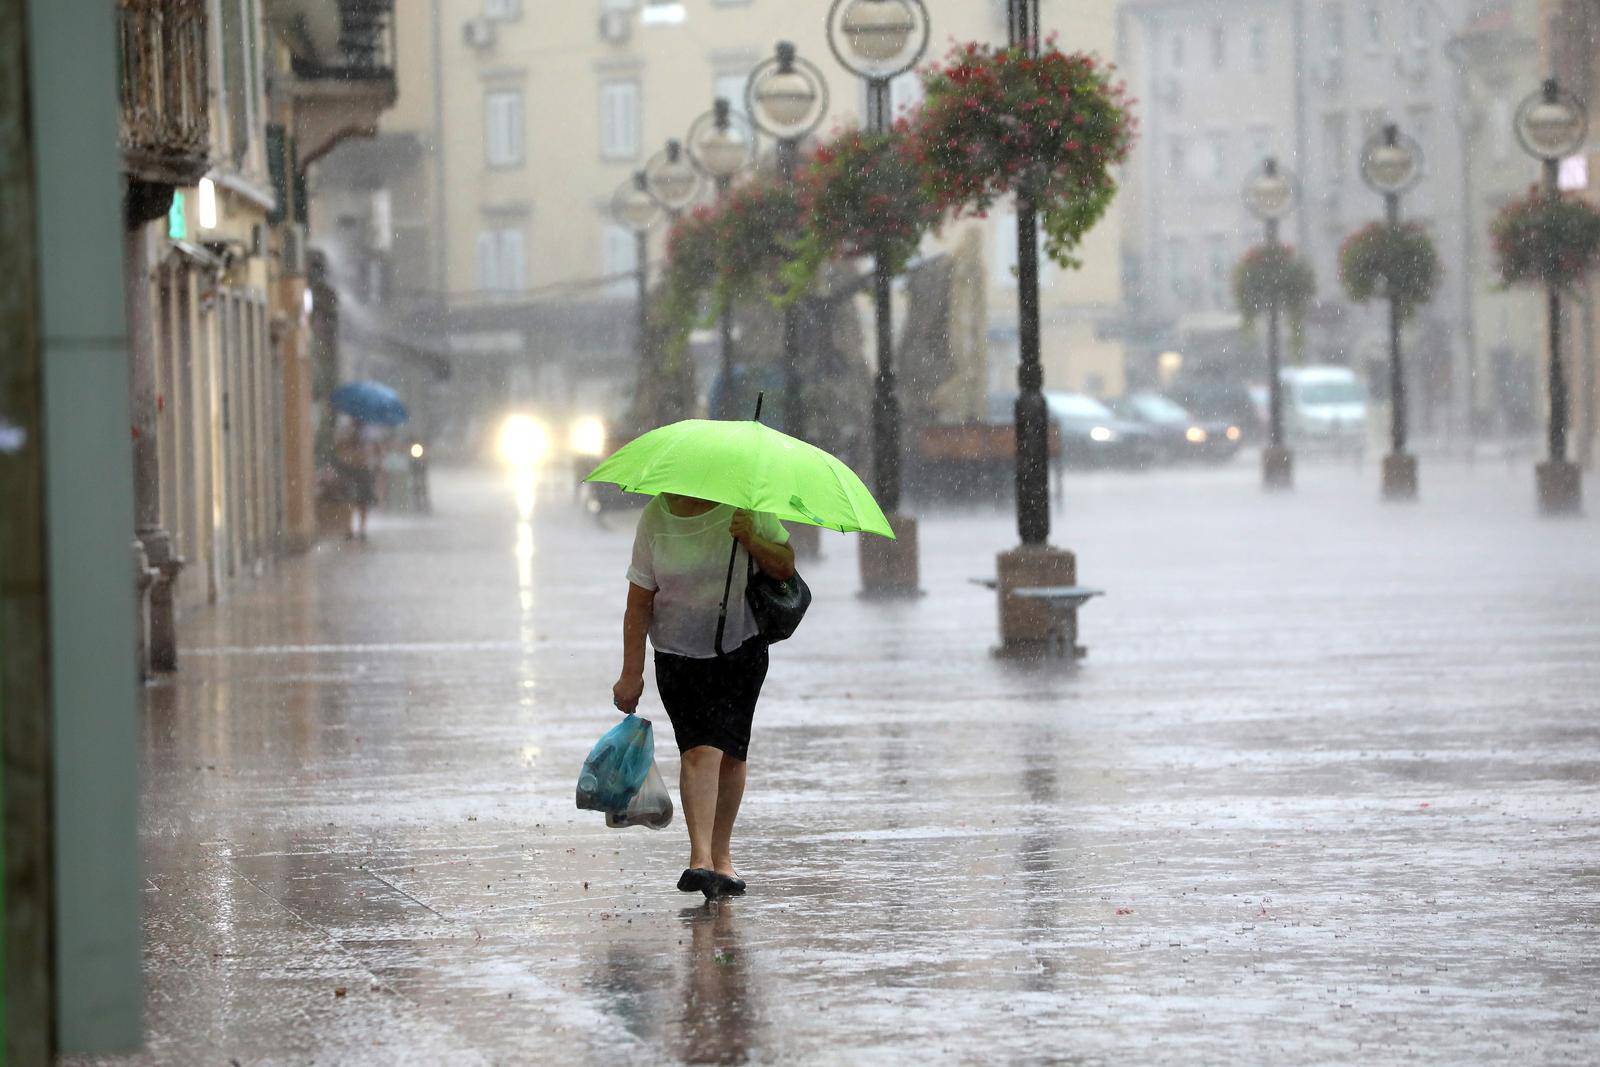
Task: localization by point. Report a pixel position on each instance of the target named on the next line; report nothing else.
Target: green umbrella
(749, 466)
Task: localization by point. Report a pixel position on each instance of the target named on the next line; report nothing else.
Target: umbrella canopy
(749, 466)
(371, 402)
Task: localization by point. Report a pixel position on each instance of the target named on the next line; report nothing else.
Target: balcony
(341, 68)
(165, 126)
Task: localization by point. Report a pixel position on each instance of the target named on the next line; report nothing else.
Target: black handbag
(777, 606)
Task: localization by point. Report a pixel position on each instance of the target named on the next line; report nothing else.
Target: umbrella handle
(727, 588)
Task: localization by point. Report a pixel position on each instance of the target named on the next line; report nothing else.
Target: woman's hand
(743, 527)
(626, 693)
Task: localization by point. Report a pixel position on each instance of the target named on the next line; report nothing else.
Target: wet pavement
(1326, 791)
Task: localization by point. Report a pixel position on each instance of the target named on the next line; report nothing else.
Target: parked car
(1091, 435)
(1219, 400)
(1179, 435)
(1324, 408)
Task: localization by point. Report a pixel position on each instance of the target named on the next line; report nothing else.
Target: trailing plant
(758, 226)
(997, 121)
(1273, 275)
(689, 277)
(1545, 239)
(861, 195)
(1395, 262)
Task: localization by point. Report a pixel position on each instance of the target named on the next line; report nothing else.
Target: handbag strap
(727, 588)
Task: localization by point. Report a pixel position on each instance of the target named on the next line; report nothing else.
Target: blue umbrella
(371, 402)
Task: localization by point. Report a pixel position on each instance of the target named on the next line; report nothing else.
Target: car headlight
(417, 450)
(523, 441)
(1102, 433)
(587, 437)
(1196, 435)
(1234, 433)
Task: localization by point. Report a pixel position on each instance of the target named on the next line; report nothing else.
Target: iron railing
(366, 44)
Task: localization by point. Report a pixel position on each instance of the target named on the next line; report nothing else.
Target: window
(1373, 21)
(1258, 47)
(502, 261)
(619, 257)
(731, 88)
(1177, 49)
(1217, 260)
(502, 127)
(1217, 156)
(1178, 266)
(1372, 123)
(1219, 46)
(1177, 156)
(1419, 26)
(1260, 138)
(619, 119)
(905, 93)
(1335, 145)
(501, 9)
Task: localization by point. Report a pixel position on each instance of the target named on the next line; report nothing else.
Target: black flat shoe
(698, 880)
(729, 886)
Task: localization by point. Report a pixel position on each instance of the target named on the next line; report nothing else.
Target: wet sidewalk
(1326, 791)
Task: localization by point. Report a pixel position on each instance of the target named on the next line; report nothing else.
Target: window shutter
(513, 262)
(488, 275)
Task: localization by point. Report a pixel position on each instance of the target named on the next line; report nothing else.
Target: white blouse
(686, 562)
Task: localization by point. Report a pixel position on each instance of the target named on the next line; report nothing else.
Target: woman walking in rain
(676, 585)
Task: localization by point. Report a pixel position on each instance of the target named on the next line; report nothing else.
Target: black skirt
(713, 701)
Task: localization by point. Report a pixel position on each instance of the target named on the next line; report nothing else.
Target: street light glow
(206, 208)
(523, 441)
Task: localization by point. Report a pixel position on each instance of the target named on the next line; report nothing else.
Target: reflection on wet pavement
(1326, 791)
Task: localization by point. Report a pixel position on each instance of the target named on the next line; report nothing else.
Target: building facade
(484, 205)
(1310, 82)
(1218, 85)
(224, 104)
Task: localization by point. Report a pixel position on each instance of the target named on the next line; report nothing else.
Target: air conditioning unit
(615, 26)
(293, 254)
(478, 33)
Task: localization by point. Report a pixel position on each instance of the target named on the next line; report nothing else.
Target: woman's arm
(775, 560)
(635, 626)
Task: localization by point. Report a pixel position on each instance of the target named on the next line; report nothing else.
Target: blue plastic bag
(617, 766)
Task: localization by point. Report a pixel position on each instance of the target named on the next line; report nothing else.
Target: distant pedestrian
(675, 592)
(356, 453)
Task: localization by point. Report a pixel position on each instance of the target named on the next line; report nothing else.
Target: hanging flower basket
(1398, 262)
(997, 121)
(757, 228)
(1546, 240)
(1272, 275)
(862, 195)
(691, 273)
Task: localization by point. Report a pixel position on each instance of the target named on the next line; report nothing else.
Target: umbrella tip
(759, 398)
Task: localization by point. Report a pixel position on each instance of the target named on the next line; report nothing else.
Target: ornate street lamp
(1269, 195)
(787, 97)
(1391, 164)
(1552, 124)
(633, 208)
(720, 145)
(671, 178)
(878, 40)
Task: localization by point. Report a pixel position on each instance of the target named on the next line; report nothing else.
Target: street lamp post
(671, 179)
(633, 208)
(878, 40)
(787, 97)
(1552, 124)
(1027, 625)
(720, 145)
(1269, 196)
(1392, 164)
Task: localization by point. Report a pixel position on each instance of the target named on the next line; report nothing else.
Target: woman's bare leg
(730, 791)
(698, 789)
